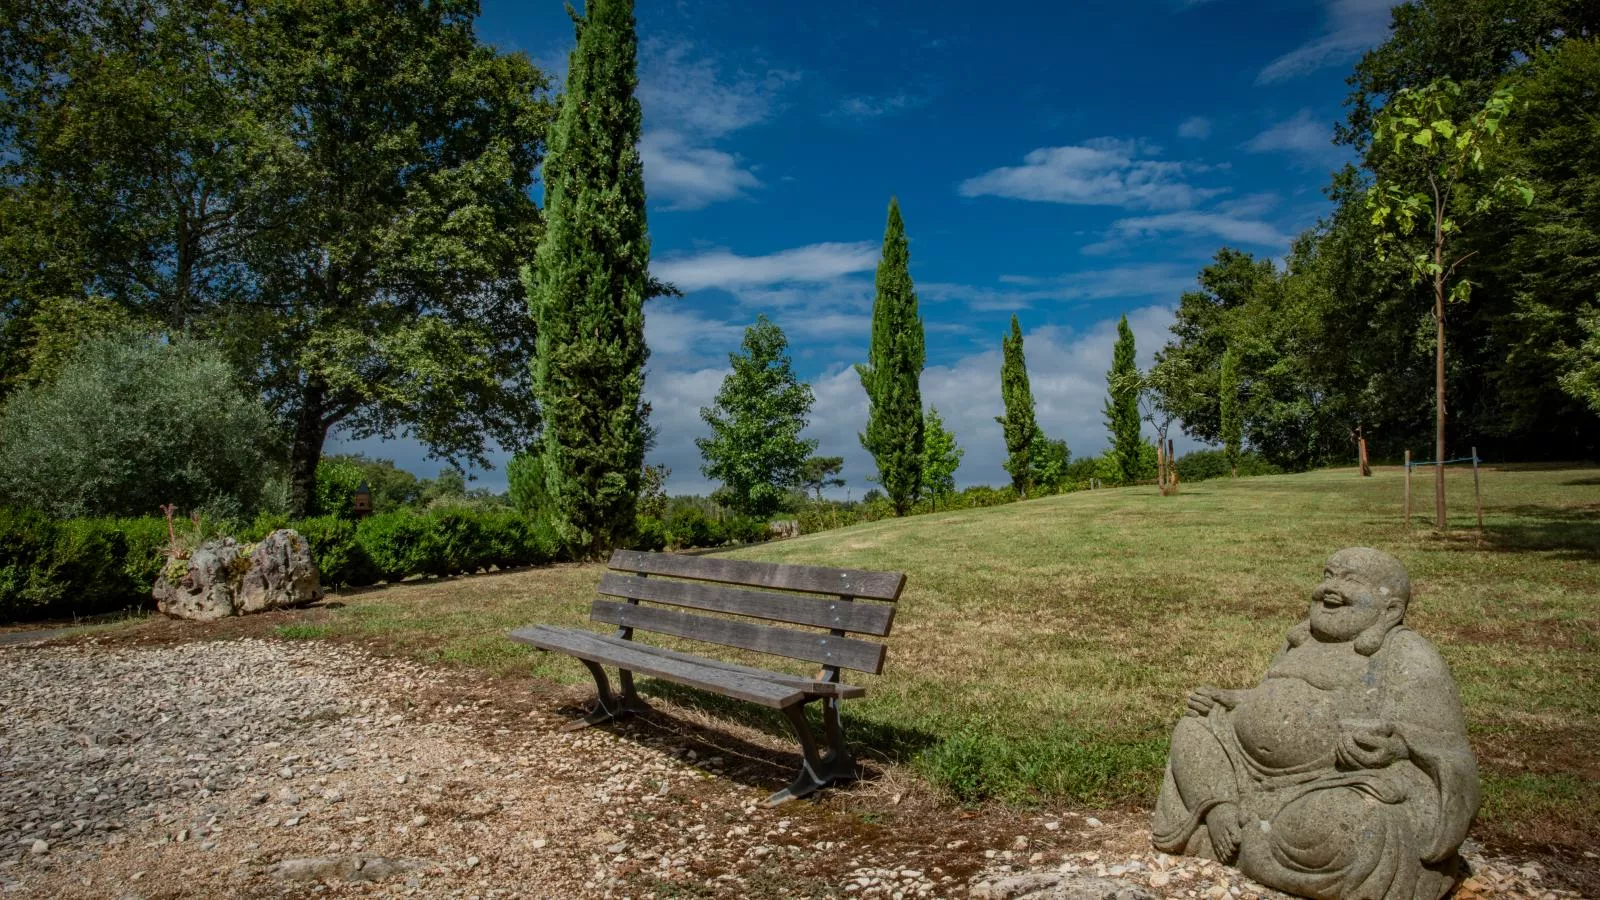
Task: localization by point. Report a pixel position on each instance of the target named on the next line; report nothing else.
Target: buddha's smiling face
(1348, 601)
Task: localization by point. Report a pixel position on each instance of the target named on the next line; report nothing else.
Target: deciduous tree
(941, 458)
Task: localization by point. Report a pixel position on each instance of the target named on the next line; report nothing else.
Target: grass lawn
(1043, 649)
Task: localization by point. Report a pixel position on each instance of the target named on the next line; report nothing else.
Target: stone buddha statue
(1345, 774)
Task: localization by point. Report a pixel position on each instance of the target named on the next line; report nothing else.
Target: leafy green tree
(51, 335)
(653, 491)
(1048, 461)
(892, 375)
(1122, 405)
(348, 224)
(821, 472)
(1423, 184)
(755, 448)
(589, 287)
(340, 475)
(1232, 417)
(132, 423)
(1582, 378)
(941, 457)
(1019, 426)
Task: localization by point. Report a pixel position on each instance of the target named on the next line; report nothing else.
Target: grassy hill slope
(1044, 649)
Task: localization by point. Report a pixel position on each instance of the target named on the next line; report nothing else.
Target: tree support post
(1408, 490)
(1477, 494)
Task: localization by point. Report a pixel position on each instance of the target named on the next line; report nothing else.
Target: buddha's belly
(1288, 724)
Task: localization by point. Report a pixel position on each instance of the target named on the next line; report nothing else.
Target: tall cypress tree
(589, 288)
(892, 375)
(1020, 427)
(1122, 405)
(1230, 414)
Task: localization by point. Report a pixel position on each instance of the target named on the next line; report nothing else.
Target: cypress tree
(1122, 406)
(1020, 427)
(893, 372)
(588, 291)
(1232, 420)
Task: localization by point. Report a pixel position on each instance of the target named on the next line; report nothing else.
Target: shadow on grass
(1568, 532)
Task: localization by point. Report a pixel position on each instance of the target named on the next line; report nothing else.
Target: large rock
(1346, 772)
(281, 574)
(222, 578)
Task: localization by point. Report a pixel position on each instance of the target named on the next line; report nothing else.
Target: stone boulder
(224, 578)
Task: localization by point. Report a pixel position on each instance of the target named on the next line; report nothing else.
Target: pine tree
(941, 457)
(893, 372)
(589, 289)
(755, 448)
(1020, 427)
(1122, 405)
(1231, 416)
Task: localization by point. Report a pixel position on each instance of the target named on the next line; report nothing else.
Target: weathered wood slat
(850, 653)
(583, 645)
(817, 579)
(811, 686)
(796, 609)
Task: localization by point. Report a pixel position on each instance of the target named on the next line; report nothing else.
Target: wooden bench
(725, 586)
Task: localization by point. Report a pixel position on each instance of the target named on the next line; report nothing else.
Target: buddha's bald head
(1363, 594)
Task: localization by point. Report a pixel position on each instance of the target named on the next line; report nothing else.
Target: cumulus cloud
(1352, 27)
(690, 103)
(1099, 172)
(1195, 127)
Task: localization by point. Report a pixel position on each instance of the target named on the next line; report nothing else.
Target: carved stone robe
(1310, 825)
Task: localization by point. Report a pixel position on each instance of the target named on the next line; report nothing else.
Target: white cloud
(1141, 282)
(872, 107)
(1099, 172)
(1195, 127)
(730, 271)
(1300, 134)
(1352, 27)
(688, 105)
(1232, 227)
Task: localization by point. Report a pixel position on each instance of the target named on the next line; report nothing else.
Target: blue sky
(1067, 162)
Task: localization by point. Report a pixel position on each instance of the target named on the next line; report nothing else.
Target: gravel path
(265, 769)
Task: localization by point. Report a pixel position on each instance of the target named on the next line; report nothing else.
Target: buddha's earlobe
(1371, 640)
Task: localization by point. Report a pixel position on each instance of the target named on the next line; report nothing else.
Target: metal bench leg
(816, 770)
(631, 701)
(607, 705)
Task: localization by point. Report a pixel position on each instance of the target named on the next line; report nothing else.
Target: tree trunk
(311, 429)
(1161, 464)
(1438, 387)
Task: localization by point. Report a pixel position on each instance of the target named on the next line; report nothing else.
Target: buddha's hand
(1368, 744)
(1222, 824)
(1205, 697)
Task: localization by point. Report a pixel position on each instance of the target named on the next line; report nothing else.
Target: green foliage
(1122, 405)
(1049, 461)
(819, 472)
(525, 482)
(347, 223)
(892, 375)
(130, 424)
(1018, 424)
(341, 559)
(79, 567)
(941, 457)
(1232, 422)
(341, 475)
(1582, 377)
(653, 491)
(1202, 465)
(650, 534)
(51, 334)
(589, 286)
(755, 448)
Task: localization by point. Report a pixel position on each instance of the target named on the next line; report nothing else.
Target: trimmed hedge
(76, 567)
(83, 567)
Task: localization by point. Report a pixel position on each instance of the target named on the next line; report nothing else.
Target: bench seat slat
(851, 653)
(784, 576)
(797, 609)
(811, 686)
(584, 645)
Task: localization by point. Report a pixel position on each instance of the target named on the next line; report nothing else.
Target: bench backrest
(726, 586)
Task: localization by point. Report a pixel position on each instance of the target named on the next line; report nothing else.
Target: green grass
(1043, 649)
